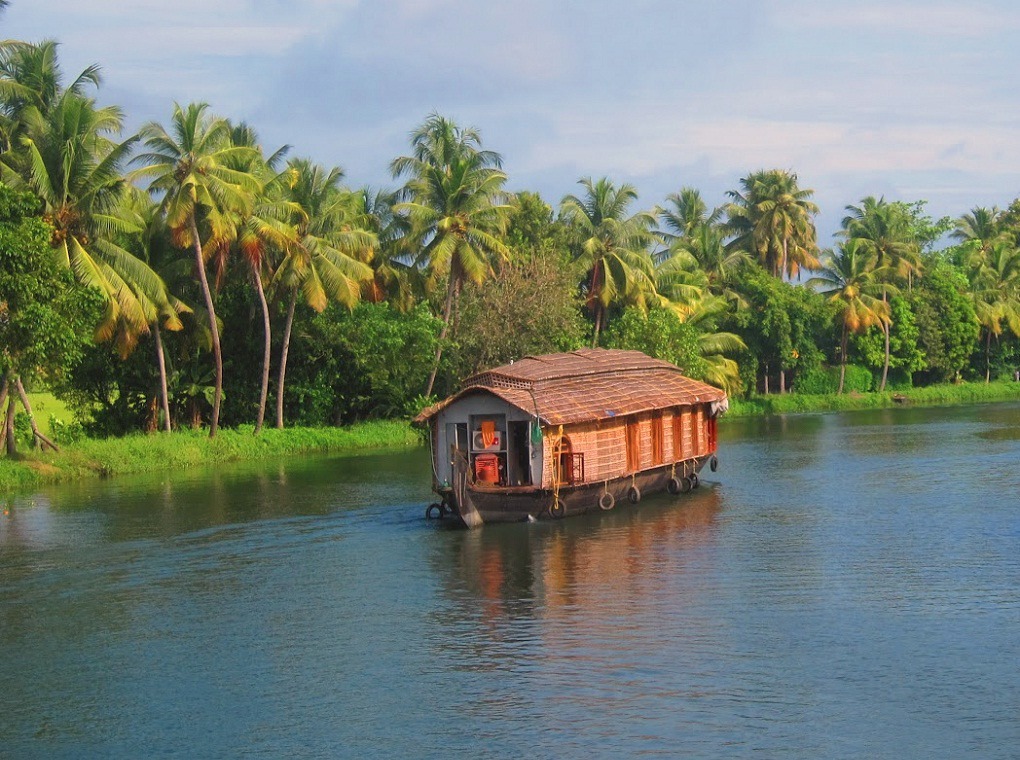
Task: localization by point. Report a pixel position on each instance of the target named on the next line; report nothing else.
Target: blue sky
(906, 99)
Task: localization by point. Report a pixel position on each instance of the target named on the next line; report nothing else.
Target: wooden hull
(474, 504)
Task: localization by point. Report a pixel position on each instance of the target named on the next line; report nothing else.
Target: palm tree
(883, 229)
(325, 260)
(30, 83)
(981, 225)
(456, 208)
(612, 247)
(772, 217)
(159, 304)
(851, 280)
(268, 227)
(189, 167)
(994, 275)
(685, 214)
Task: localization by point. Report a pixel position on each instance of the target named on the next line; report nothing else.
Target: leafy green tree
(905, 356)
(772, 217)
(782, 325)
(42, 313)
(660, 333)
(189, 166)
(611, 246)
(946, 322)
(455, 203)
(528, 307)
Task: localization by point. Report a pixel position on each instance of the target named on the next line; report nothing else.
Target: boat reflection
(601, 561)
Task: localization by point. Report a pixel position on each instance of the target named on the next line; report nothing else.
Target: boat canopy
(586, 385)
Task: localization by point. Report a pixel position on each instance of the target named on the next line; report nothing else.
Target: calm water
(845, 586)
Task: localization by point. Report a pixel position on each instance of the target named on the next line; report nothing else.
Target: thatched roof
(586, 385)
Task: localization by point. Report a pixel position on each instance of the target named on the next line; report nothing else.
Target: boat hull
(475, 504)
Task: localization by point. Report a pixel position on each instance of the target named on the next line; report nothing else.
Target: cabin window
(633, 445)
(657, 436)
(678, 434)
(698, 437)
(568, 467)
(713, 433)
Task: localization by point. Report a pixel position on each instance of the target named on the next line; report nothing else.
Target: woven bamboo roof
(585, 385)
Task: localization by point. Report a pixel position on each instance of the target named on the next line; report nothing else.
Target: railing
(571, 469)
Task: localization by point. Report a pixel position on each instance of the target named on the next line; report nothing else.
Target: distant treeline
(189, 276)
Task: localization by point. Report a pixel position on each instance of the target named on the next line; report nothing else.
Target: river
(847, 585)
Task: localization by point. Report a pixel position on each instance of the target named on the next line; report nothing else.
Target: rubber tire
(557, 509)
(713, 464)
(674, 486)
(602, 501)
(686, 484)
(633, 494)
(439, 511)
(695, 481)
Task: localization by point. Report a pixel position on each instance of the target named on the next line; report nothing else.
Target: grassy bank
(189, 448)
(936, 395)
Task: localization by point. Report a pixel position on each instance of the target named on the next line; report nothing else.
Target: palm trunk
(11, 442)
(782, 381)
(596, 303)
(885, 332)
(598, 324)
(988, 358)
(264, 393)
(842, 364)
(765, 385)
(283, 357)
(213, 327)
(39, 439)
(8, 428)
(164, 396)
(447, 311)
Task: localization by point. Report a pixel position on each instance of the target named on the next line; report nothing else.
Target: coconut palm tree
(883, 229)
(850, 280)
(771, 216)
(189, 168)
(30, 83)
(327, 258)
(159, 304)
(456, 208)
(685, 214)
(611, 246)
(981, 225)
(994, 275)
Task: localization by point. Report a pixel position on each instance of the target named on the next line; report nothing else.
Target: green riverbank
(193, 448)
(934, 395)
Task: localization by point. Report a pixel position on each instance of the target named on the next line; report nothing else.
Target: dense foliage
(245, 278)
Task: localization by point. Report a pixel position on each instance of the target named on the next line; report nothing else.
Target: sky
(906, 99)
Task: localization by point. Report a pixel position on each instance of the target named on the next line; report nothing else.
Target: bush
(823, 380)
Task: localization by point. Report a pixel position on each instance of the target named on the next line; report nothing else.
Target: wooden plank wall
(604, 444)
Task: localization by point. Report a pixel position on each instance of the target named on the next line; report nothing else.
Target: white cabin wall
(461, 411)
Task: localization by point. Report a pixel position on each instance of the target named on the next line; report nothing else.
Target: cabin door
(519, 454)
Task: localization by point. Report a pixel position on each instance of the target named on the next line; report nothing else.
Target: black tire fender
(557, 509)
(634, 494)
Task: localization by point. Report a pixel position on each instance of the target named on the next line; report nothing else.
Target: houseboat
(564, 434)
